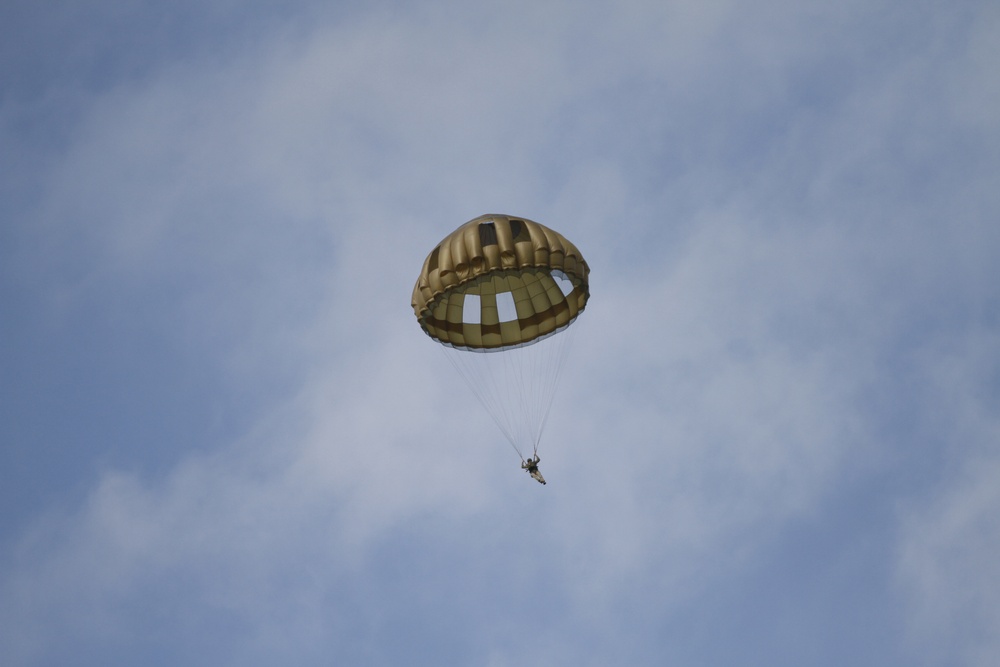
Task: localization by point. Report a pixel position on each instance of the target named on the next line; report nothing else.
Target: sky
(224, 439)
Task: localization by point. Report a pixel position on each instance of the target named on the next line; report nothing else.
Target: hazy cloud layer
(776, 437)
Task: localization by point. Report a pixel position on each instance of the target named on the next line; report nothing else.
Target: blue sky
(225, 440)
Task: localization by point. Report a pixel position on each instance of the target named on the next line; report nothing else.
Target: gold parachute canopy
(498, 282)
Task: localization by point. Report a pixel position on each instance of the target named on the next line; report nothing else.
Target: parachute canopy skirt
(499, 282)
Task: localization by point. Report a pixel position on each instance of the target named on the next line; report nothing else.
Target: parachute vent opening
(487, 234)
(563, 281)
(506, 309)
(519, 232)
(472, 312)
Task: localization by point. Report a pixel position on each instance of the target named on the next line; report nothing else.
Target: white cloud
(742, 314)
(946, 566)
(948, 569)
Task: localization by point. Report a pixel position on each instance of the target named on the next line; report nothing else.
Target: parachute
(499, 294)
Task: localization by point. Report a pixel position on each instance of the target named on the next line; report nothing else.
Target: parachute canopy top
(498, 282)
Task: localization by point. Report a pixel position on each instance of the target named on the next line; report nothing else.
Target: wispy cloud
(790, 231)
